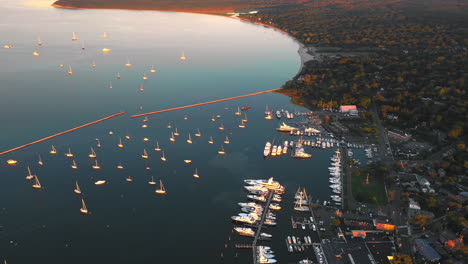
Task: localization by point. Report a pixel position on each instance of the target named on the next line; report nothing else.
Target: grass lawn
(374, 192)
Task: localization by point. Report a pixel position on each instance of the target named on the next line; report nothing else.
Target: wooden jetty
(61, 133)
(205, 103)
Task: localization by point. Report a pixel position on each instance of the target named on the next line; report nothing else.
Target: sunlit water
(129, 223)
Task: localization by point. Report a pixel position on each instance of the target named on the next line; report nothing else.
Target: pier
(205, 103)
(61, 133)
(259, 227)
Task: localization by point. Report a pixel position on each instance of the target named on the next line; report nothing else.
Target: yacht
(37, 184)
(163, 157)
(83, 208)
(189, 140)
(273, 150)
(245, 231)
(221, 152)
(257, 198)
(244, 218)
(188, 161)
(198, 134)
(92, 154)
(196, 173)
(300, 154)
(69, 153)
(278, 114)
(157, 147)
(40, 162)
(53, 150)
(268, 116)
(74, 165)
(146, 139)
(279, 150)
(145, 154)
(120, 145)
(267, 149)
(77, 189)
(211, 140)
(152, 182)
(161, 189)
(30, 176)
(96, 165)
(226, 141)
(285, 128)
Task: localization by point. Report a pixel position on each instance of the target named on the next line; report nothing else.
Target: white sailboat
(221, 152)
(211, 140)
(92, 154)
(120, 166)
(128, 64)
(182, 58)
(70, 71)
(104, 35)
(29, 176)
(196, 173)
(83, 208)
(163, 157)
(39, 41)
(120, 145)
(94, 64)
(74, 165)
(172, 138)
(69, 153)
(226, 141)
(145, 77)
(53, 150)
(37, 184)
(129, 179)
(221, 127)
(74, 37)
(77, 189)
(152, 69)
(189, 140)
(40, 162)
(185, 117)
(157, 147)
(96, 165)
(152, 182)
(145, 154)
(238, 112)
(169, 125)
(98, 143)
(118, 76)
(161, 189)
(145, 119)
(176, 133)
(242, 125)
(198, 134)
(83, 46)
(213, 119)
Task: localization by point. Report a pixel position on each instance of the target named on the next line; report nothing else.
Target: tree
(336, 222)
(420, 220)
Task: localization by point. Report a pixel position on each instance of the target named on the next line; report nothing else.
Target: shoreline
(302, 50)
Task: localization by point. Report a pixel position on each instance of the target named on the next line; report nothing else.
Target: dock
(204, 103)
(259, 227)
(61, 133)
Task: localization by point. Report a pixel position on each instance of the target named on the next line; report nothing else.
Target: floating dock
(205, 103)
(61, 133)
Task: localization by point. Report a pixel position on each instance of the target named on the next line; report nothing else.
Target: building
(399, 135)
(349, 109)
(426, 251)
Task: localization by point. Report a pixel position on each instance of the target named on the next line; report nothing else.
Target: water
(129, 223)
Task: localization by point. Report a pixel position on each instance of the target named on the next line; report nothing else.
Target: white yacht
(285, 128)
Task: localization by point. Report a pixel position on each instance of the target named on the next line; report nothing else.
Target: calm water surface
(129, 223)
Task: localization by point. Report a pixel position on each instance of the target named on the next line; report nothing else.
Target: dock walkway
(259, 229)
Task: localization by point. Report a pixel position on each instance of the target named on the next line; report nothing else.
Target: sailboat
(221, 127)
(118, 76)
(98, 143)
(146, 139)
(213, 119)
(129, 179)
(198, 134)
(83, 208)
(74, 37)
(30, 176)
(70, 71)
(242, 125)
(144, 126)
(176, 133)
(172, 138)
(182, 58)
(144, 77)
(145, 119)
(141, 89)
(120, 166)
(120, 145)
(196, 173)
(211, 140)
(110, 85)
(36, 54)
(245, 118)
(189, 140)
(188, 161)
(83, 46)
(40, 161)
(238, 111)
(152, 182)
(169, 125)
(161, 189)
(53, 150)
(145, 154)
(128, 64)
(39, 41)
(94, 64)
(74, 165)
(37, 184)
(69, 153)
(157, 147)
(77, 189)
(226, 141)
(96, 165)
(185, 117)
(104, 35)
(221, 152)
(92, 154)
(163, 157)
(152, 69)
